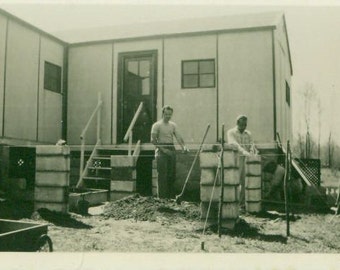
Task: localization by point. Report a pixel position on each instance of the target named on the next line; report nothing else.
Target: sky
(313, 32)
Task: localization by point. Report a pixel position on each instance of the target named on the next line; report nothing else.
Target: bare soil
(147, 224)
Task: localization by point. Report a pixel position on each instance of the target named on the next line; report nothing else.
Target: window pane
(190, 81)
(133, 67)
(52, 77)
(144, 68)
(146, 86)
(207, 67)
(190, 67)
(207, 80)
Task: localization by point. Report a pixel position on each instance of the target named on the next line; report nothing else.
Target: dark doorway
(137, 83)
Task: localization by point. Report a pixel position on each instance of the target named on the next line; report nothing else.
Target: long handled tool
(178, 197)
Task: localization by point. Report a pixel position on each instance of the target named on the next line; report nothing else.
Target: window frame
(198, 74)
(57, 78)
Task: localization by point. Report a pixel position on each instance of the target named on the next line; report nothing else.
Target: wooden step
(96, 178)
(99, 168)
(102, 157)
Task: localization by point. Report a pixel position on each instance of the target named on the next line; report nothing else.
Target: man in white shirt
(241, 137)
(162, 136)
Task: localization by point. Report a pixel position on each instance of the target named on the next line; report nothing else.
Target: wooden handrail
(133, 121)
(88, 163)
(95, 112)
(294, 164)
(99, 104)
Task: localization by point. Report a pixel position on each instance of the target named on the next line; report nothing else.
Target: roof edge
(249, 29)
(31, 26)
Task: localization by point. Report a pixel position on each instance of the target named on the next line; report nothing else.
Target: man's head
(241, 122)
(167, 113)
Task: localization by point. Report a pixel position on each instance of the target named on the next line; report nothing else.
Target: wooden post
(99, 117)
(82, 153)
(222, 184)
(130, 143)
(287, 176)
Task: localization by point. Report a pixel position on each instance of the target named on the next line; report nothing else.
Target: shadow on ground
(244, 230)
(61, 219)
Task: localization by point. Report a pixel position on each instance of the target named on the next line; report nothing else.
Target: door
(137, 84)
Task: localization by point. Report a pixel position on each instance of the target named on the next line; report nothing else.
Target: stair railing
(96, 112)
(129, 132)
(294, 164)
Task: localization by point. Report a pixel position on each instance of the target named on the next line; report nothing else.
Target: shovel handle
(193, 163)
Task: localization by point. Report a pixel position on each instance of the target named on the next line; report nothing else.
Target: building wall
(90, 72)
(246, 81)
(194, 108)
(50, 103)
(283, 75)
(21, 82)
(28, 112)
(3, 27)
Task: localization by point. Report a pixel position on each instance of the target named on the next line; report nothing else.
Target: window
(287, 94)
(198, 73)
(52, 77)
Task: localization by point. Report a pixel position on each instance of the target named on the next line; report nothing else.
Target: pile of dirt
(142, 208)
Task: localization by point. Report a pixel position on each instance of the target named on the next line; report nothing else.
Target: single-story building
(209, 70)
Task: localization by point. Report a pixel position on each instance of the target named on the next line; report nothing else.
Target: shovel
(178, 197)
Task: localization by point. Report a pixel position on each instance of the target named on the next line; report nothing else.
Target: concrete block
(230, 210)
(123, 173)
(231, 193)
(232, 176)
(208, 160)
(52, 163)
(253, 207)
(58, 207)
(230, 147)
(52, 150)
(213, 211)
(155, 181)
(129, 186)
(253, 195)
(253, 159)
(208, 192)
(155, 191)
(117, 195)
(253, 169)
(123, 161)
(50, 194)
(229, 223)
(56, 179)
(208, 176)
(230, 159)
(154, 173)
(253, 182)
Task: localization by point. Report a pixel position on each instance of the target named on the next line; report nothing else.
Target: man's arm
(180, 140)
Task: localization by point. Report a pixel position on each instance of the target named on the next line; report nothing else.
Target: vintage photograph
(170, 127)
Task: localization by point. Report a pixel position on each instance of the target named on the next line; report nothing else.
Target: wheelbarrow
(24, 236)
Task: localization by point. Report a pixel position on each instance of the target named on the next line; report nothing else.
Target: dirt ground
(146, 224)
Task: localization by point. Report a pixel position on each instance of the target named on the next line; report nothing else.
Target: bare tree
(330, 150)
(319, 127)
(309, 95)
